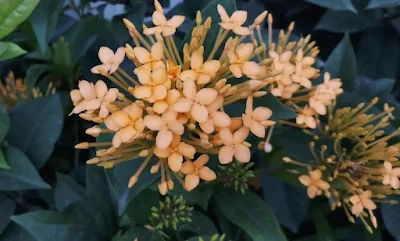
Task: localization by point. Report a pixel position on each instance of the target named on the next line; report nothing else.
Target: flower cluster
(362, 168)
(15, 90)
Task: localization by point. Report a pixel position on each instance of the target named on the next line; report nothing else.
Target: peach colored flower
(285, 91)
(201, 71)
(110, 60)
(239, 60)
(216, 118)
(128, 124)
(307, 117)
(319, 100)
(233, 145)
(166, 125)
(314, 183)
(195, 101)
(155, 84)
(303, 71)
(391, 175)
(332, 86)
(162, 25)
(195, 171)
(150, 60)
(257, 119)
(234, 22)
(175, 153)
(361, 201)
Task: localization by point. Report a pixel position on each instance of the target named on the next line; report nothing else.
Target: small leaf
(334, 4)
(7, 208)
(12, 51)
(3, 161)
(44, 20)
(342, 64)
(37, 138)
(67, 191)
(375, 46)
(14, 12)
(288, 202)
(345, 21)
(251, 214)
(383, 3)
(4, 122)
(22, 175)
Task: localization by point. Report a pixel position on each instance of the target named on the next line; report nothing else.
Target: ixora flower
(314, 184)
(174, 112)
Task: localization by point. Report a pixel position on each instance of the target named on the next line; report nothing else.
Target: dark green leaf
(288, 202)
(383, 3)
(251, 214)
(324, 230)
(33, 73)
(375, 46)
(140, 233)
(62, 54)
(345, 21)
(50, 225)
(14, 232)
(7, 208)
(342, 64)
(199, 196)
(391, 216)
(334, 4)
(4, 122)
(138, 211)
(44, 20)
(14, 12)
(22, 174)
(200, 225)
(279, 111)
(3, 161)
(37, 139)
(12, 51)
(67, 191)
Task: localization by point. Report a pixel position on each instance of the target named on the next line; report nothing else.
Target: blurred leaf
(376, 45)
(345, 21)
(140, 233)
(62, 54)
(381, 88)
(138, 211)
(289, 203)
(4, 122)
(37, 139)
(14, 12)
(375, 236)
(383, 3)
(22, 175)
(14, 232)
(44, 21)
(199, 196)
(3, 161)
(12, 50)
(251, 214)
(7, 208)
(334, 4)
(341, 63)
(200, 225)
(67, 191)
(50, 225)
(324, 230)
(391, 216)
(33, 73)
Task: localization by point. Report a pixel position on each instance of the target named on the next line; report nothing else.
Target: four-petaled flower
(315, 185)
(234, 22)
(150, 60)
(195, 171)
(391, 175)
(307, 117)
(239, 61)
(110, 60)
(257, 119)
(155, 84)
(234, 145)
(361, 201)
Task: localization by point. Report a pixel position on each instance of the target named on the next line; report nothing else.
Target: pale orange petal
(176, 21)
(189, 89)
(157, 51)
(201, 161)
(196, 60)
(154, 122)
(159, 92)
(188, 75)
(208, 126)
(175, 162)
(242, 153)
(199, 113)
(183, 105)
(244, 51)
(168, 31)
(223, 14)
(207, 174)
(239, 30)
(142, 55)
(239, 17)
(221, 119)
(187, 167)
(101, 89)
(211, 67)
(186, 150)
(164, 138)
(226, 136)
(158, 18)
(236, 70)
(241, 135)
(225, 154)
(142, 92)
(305, 180)
(106, 55)
(191, 182)
(206, 96)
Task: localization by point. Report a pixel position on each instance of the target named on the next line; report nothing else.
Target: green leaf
(37, 139)
(22, 175)
(345, 21)
(374, 48)
(7, 208)
(140, 233)
(14, 232)
(334, 4)
(279, 111)
(288, 202)
(62, 54)
(251, 214)
(33, 73)
(67, 191)
(12, 51)
(138, 211)
(14, 12)
(383, 3)
(199, 196)
(65, 226)
(4, 122)
(341, 63)
(44, 20)
(324, 230)
(391, 216)
(200, 225)
(3, 161)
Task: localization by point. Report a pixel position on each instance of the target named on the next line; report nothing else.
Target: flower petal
(244, 51)
(196, 60)
(199, 113)
(142, 55)
(186, 150)
(101, 89)
(207, 174)
(106, 55)
(183, 105)
(164, 138)
(221, 119)
(159, 18)
(305, 180)
(225, 154)
(188, 75)
(168, 31)
(239, 17)
(191, 182)
(241, 135)
(187, 167)
(157, 51)
(239, 30)
(189, 89)
(226, 136)
(242, 153)
(262, 113)
(223, 14)
(206, 96)
(211, 67)
(175, 162)
(176, 21)
(154, 122)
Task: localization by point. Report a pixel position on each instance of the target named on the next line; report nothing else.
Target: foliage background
(47, 192)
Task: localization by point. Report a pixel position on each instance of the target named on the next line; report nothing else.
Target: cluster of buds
(361, 168)
(237, 175)
(15, 90)
(171, 212)
(176, 108)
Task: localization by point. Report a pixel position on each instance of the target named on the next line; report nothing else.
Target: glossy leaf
(341, 63)
(22, 175)
(288, 202)
(67, 191)
(14, 12)
(7, 208)
(12, 50)
(37, 138)
(44, 21)
(345, 21)
(251, 214)
(200, 225)
(334, 4)
(391, 216)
